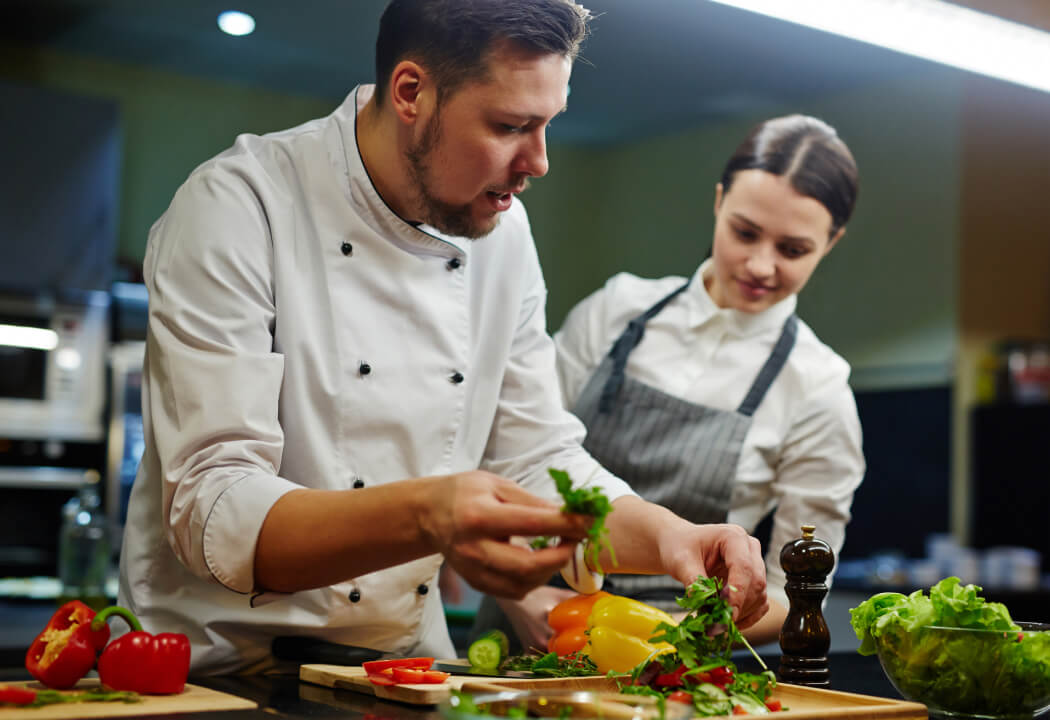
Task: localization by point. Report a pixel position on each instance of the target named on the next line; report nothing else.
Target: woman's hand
(528, 616)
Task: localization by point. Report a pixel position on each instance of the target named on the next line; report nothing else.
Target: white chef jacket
(802, 453)
(303, 335)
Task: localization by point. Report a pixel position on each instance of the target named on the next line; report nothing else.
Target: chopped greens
(551, 665)
(96, 694)
(700, 669)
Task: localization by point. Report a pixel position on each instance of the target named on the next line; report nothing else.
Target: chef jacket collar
(419, 239)
(702, 308)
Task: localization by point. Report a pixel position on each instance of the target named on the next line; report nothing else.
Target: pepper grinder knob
(804, 637)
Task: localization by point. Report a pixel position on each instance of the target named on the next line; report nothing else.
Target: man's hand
(724, 551)
(470, 518)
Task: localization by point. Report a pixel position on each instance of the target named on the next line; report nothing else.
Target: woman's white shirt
(802, 454)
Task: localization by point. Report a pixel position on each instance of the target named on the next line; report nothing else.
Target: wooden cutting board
(804, 703)
(192, 699)
(352, 677)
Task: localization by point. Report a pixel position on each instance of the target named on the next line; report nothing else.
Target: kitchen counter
(286, 697)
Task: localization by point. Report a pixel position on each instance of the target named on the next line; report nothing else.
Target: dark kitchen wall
(59, 199)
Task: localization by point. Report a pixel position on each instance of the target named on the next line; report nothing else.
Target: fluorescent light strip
(33, 338)
(930, 29)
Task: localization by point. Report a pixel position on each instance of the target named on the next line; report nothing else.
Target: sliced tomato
(681, 696)
(721, 676)
(381, 679)
(427, 677)
(774, 705)
(418, 663)
(739, 710)
(16, 694)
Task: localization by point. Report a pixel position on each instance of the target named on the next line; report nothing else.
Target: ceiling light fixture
(235, 22)
(931, 29)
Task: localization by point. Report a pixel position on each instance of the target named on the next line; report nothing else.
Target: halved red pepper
(426, 677)
(378, 666)
(141, 662)
(67, 647)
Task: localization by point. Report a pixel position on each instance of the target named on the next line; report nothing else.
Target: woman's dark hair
(809, 154)
(451, 38)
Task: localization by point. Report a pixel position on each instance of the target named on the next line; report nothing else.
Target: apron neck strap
(627, 342)
(774, 363)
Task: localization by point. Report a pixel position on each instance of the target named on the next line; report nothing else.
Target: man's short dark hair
(452, 38)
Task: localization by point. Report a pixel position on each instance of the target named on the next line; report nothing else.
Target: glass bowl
(558, 704)
(963, 673)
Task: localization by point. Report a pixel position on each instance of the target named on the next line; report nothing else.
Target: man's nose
(532, 157)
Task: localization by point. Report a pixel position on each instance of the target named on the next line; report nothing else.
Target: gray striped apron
(672, 452)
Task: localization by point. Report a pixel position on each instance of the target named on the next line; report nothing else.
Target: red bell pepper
(66, 649)
(426, 677)
(141, 662)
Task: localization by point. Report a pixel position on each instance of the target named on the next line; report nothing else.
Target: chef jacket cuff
(231, 531)
(579, 577)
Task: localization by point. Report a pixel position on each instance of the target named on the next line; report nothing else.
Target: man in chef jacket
(348, 377)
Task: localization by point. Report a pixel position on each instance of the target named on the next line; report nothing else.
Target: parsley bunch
(707, 631)
(703, 643)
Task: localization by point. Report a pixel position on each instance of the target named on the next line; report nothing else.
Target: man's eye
(792, 251)
(512, 128)
(746, 234)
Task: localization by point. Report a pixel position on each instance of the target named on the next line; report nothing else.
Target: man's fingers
(506, 519)
(505, 570)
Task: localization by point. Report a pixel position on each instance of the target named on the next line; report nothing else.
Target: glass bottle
(84, 547)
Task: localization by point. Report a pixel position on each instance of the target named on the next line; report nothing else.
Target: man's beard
(456, 220)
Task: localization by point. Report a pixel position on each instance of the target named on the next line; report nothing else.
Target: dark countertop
(283, 696)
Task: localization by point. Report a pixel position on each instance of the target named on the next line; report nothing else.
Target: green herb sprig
(587, 501)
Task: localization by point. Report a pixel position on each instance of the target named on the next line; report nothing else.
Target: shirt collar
(703, 309)
(370, 206)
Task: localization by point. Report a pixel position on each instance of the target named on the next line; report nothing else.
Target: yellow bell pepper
(619, 629)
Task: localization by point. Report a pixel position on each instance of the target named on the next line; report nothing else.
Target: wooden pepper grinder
(804, 637)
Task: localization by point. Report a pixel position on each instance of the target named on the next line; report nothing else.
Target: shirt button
(456, 378)
(347, 248)
(355, 595)
(422, 589)
(364, 368)
(453, 264)
(358, 482)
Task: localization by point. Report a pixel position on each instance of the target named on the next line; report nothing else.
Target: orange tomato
(573, 612)
(568, 641)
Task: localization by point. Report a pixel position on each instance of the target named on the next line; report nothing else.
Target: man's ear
(408, 86)
(718, 197)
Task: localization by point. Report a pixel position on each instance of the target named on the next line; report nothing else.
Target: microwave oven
(53, 367)
(52, 417)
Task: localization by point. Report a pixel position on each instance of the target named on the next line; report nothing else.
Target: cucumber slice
(489, 650)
